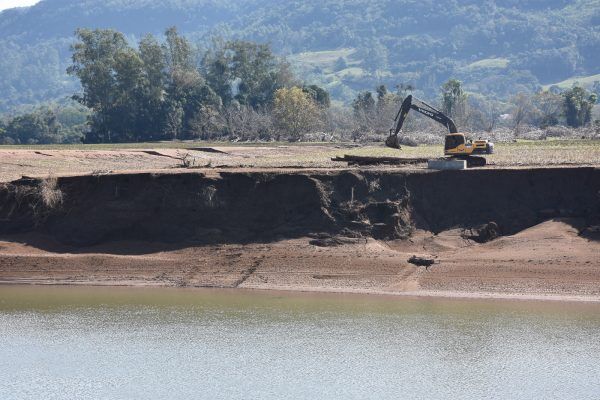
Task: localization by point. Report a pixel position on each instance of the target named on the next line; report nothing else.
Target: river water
(113, 343)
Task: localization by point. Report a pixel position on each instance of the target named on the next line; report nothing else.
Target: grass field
(322, 58)
(499, 63)
(586, 81)
(45, 160)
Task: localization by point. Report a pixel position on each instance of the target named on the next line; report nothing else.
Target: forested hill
(496, 47)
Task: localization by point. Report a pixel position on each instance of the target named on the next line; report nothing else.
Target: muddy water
(68, 343)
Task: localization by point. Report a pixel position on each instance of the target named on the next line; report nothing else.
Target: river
(134, 343)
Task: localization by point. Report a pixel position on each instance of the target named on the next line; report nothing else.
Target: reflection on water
(66, 343)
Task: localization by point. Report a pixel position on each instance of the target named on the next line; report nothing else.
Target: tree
(375, 56)
(128, 101)
(318, 94)
(578, 104)
(37, 127)
(207, 122)
(364, 110)
(94, 62)
(523, 110)
(173, 119)
(381, 93)
(218, 72)
(364, 103)
(178, 52)
(246, 72)
(186, 90)
(386, 110)
(375, 114)
(296, 112)
(549, 106)
(3, 137)
(454, 101)
(245, 123)
(152, 91)
(199, 105)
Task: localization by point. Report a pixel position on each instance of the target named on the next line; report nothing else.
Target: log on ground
(365, 160)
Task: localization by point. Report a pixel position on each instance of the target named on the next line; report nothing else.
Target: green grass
(322, 58)
(552, 142)
(585, 81)
(149, 145)
(352, 72)
(325, 60)
(498, 63)
(520, 153)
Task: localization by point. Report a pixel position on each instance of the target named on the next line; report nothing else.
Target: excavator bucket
(393, 141)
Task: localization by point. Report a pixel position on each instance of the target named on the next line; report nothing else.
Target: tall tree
(364, 111)
(218, 74)
(364, 103)
(151, 118)
(187, 91)
(178, 52)
(549, 106)
(578, 104)
(94, 62)
(246, 72)
(454, 100)
(523, 111)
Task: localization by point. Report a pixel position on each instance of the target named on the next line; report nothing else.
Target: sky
(4, 4)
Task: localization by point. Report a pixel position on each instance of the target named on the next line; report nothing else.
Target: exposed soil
(491, 232)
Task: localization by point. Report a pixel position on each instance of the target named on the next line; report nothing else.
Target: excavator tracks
(473, 161)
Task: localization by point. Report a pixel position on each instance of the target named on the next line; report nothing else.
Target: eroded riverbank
(345, 231)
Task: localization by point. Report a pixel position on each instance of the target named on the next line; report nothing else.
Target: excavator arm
(420, 106)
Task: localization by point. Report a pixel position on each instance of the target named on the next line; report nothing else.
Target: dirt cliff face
(266, 206)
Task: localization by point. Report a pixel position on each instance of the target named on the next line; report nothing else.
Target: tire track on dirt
(248, 272)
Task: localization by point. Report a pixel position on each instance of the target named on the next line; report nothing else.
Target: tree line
(47, 124)
(170, 90)
(238, 90)
(573, 107)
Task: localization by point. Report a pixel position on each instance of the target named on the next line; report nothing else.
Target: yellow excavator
(456, 145)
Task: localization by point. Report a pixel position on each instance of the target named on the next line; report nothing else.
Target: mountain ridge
(422, 43)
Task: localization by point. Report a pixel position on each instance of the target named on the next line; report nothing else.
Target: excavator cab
(453, 141)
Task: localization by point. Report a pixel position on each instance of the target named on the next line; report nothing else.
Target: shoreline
(415, 295)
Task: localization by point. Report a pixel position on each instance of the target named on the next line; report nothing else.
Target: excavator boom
(423, 108)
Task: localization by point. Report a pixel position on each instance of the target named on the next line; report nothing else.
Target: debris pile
(422, 261)
(363, 160)
(482, 234)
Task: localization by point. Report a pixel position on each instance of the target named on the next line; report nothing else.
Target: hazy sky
(4, 4)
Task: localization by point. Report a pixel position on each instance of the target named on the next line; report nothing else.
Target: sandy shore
(549, 261)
